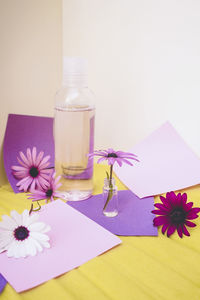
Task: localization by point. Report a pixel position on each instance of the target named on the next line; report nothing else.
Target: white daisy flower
(22, 235)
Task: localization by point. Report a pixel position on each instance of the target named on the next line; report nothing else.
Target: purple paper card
(2, 283)
(24, 132)
(134, 218)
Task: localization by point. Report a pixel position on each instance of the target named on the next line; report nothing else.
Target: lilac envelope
(166, 164)
(74, 240)
(2, 283)
(134, 218)
(24, 132)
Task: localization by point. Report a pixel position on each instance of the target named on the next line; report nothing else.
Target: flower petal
(11, 249)
(22, 250)
(160, 221)
(57, 179)
(25, 217)
(164, 228)
(180, 232)
(178, 199)
(190, 224)
(31, 248)
(34, 155)
(111, 160)
(24, 183)
(39, 158)
(45, 244)
(6, 240)
(161, 206)
(39, 236)
(158, 212)
(37, 245)
(33, 185)
(126, 161)
(119, 162)
(46, 229)
(37, 226)
(32, 218)
(171, 230)
(101, 159)
(24, 159)
(20, 174)
(171, 197)
(188, 206)
(29, 156)
(18, 168)
(58, 195)
(192, 216)
(121, 154)
(25, 186)
(22, 163)
(185, 231)
(44, 161)
(44, 166)
(184, 198)
(41, 182)
(38, 195)
(195, 210)
(165, 202)
(7, 223)
(17, 217)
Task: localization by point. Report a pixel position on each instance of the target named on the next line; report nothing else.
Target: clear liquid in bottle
(74, 140)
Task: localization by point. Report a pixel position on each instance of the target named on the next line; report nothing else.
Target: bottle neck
(78, 81)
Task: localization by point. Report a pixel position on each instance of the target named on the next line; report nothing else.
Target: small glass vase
(110, 198)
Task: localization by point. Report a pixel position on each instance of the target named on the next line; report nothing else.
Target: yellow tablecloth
(142, 268)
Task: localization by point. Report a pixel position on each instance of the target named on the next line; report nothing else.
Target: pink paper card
(74, 239)
(166, 164)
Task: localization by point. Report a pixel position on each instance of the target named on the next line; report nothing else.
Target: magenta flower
(113, 156)
(49, 192)
(33, 171)
(175, 214)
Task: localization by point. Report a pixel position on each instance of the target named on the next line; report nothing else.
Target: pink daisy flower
(33, 172)
(113, 156)
(175, 214)
(49, 192)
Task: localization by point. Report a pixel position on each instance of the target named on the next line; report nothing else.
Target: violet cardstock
(166, 164)
(2, 283)
(24, 132)
(134, 218)
(74, 240)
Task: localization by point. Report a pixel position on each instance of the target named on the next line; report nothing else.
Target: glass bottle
(110, 198)
(74, 131)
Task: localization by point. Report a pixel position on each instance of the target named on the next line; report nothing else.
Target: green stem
(110, 193)
(37, 209)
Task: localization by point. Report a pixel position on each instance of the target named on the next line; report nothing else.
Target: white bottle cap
(75, 71)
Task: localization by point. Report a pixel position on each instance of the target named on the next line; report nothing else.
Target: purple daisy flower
(175, 214)
(49, 192)
(33, 171)
(113, 156)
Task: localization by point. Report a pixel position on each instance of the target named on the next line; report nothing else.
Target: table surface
(142, 268)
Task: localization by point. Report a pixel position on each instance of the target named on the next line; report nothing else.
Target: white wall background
(144, 65)
(30, 59)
